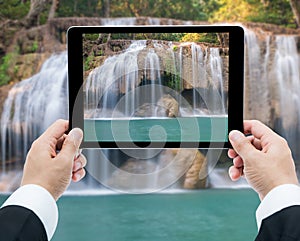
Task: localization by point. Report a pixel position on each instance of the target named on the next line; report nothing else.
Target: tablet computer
(156, 86)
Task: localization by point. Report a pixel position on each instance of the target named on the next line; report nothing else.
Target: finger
(257, 129)
(257, 143)
(56, 130)
(231, 153)
(60, 142)
(71, 144)
(242, 145)
(78, 175)
(235, 173)
(238, 162)
(265, 137)
(79, 163)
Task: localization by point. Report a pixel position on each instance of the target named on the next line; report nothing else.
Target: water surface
(186, 129)
(210, 215)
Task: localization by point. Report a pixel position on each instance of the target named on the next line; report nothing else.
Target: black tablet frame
(235, 88)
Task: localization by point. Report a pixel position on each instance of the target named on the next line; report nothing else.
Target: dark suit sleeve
(20, 224)
(281, 226)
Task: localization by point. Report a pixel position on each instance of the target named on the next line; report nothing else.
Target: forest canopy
(277, 12)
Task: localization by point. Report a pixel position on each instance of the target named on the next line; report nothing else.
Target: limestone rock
(170, 105)
(166, 106)
(196, 175)
(150, 110)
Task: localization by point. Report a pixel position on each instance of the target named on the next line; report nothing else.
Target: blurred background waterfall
(271, 95)
(196, 199)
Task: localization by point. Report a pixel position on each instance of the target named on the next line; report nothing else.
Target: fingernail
(78, 153)
(77, 176)
(235, 135)
(76, 135)
(78, 165)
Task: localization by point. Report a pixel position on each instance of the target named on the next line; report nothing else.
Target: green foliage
(91, 37)
(269, 11)
(175, 48)
(34, 46)
(190, 37)
(172, 80)
(275, 12)
(6, 63)
(187, 10)
(87, 62)
(13, 9)
(78, 8)
(148, 36)
(171, 76)
(200, 37)
(232, 10)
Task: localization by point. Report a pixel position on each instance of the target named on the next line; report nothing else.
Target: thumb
(241, 144)
(72, 143)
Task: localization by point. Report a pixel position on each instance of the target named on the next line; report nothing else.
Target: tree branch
(295, 5)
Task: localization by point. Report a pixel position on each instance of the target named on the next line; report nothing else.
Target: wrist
(276, 183)
(38, 200)
(278, 198)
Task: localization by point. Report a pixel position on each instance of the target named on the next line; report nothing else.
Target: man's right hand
(263, 157)
(54, 159)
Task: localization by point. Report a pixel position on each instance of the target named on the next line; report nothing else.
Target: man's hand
(54, 159)
(263, 157)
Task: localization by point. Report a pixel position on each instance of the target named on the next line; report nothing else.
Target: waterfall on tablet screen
(159, 66)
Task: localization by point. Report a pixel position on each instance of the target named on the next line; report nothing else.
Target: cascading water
(31, 106)
(162, 67)
(257, 86)
(273, 84)
(118, 21)
(118, 75)
(118, 72)
(152, 66)
(197, 70)
(286, 69)
(121, 74)
(207, 64)
(216, 68)
(34, 103)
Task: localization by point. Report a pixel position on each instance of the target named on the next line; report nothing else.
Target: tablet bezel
(235, 83)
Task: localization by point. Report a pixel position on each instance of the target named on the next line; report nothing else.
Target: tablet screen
(156, 87)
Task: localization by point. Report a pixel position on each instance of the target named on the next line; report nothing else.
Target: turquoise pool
(188, 129)
(210, 215)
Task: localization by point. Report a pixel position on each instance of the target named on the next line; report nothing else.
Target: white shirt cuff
(40, 201)
(278, 198)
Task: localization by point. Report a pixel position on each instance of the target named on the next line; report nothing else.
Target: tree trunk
(295, 4)
(36, 8)
(132, 10)
(53, 9)
(106, 8)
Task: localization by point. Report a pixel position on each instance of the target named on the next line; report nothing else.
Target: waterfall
(218, 99)
(31, 106)
(272, 92)
(119, 77)
(207, 74)
(257, 86)
(286, 68)
(198, 71)
(272, 85)
(117, 74)
(118, 21)
(140, 21)
(152, 69)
